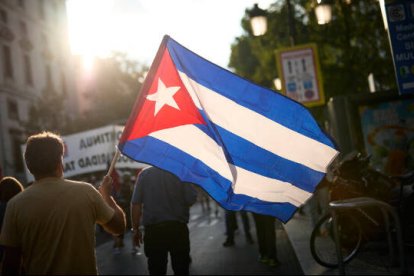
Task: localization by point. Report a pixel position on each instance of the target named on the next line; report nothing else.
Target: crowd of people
(56, 234)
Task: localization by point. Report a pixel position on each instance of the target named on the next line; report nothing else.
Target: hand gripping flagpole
(114, 159)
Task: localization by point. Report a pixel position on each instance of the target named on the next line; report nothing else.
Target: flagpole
(113, 162)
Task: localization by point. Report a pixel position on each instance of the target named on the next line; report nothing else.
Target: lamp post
(292, 32)
(323, 13)
(258, 21)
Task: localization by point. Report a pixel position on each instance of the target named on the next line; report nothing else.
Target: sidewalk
(368, 262)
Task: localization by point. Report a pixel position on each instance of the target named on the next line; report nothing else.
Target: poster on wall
(388, 130)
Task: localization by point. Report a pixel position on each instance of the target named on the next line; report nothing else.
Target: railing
(387, 211)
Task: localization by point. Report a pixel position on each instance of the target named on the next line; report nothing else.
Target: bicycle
(353, 178)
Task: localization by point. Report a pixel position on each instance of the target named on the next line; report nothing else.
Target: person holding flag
(49, 228)
(249, 147)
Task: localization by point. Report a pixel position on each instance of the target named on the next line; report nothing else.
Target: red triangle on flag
(167, 103)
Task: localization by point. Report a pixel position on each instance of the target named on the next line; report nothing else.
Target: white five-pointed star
(164, 96)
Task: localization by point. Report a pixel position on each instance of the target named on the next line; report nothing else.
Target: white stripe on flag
(190, 139)
(247, 124)
(268, 189)
(193, 141)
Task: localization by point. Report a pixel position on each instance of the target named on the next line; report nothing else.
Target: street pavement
(209, 257)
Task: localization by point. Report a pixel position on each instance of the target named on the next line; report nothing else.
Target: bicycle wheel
(322, 242)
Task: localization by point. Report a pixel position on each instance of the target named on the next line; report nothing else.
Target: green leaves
(353, 45)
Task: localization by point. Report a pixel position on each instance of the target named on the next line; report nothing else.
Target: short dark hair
(9, 187)
(43, 153)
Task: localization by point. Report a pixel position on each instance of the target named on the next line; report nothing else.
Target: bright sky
(136, 27)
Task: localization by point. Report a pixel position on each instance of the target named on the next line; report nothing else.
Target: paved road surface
(208, 254)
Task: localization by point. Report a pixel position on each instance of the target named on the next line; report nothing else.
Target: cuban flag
(249, 147)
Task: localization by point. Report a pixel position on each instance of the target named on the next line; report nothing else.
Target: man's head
(43, 154)
(9, 187)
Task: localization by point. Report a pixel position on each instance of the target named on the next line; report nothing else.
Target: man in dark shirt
(162, 202)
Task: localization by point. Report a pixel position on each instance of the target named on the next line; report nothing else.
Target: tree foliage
(48, 113)
(353, 45)
(112, 95)
(115, 90)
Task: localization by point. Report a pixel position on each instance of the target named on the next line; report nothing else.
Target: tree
(351, 46)
(48, 113)
(116, 86)
(113, 94)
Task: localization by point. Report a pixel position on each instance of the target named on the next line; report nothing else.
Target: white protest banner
(92, 151)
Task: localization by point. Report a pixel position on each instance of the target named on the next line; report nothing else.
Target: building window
(7, 65)
(41, 9)
(63, 79)
(12, 110)
(28, 70)
(16, 143)
(21, 3)
(54, 11)
(3, 16)
(49, 82)
(45, 42)
(23, 28)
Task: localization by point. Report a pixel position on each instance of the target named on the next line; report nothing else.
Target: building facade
(34, 57)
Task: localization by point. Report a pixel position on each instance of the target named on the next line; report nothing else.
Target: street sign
(299, 71)
(400, 19)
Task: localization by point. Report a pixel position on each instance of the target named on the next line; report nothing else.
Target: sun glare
(136, 27)
(88, 62)
(88, 22)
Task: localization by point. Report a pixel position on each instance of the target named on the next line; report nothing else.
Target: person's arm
(117, 224)
(12, 261)
(136, 213)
